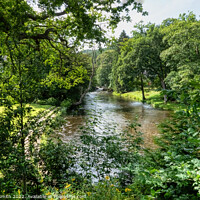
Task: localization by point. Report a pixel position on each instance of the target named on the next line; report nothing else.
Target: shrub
(50, 101)
(66, 103)
(172, 95)
(57, 159)
(173, 170)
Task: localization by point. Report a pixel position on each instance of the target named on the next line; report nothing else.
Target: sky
(158, 11)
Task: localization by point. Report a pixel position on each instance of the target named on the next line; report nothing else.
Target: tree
(60, 25)
(122, 76)
(132, 63)
(182, 55)
(105, 62)
(117, 43)
(140, 58)
(157, 67)
(40, 47)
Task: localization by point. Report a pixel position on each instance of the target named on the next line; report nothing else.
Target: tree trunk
(142, 88)
(197, 50)
(162, 77)
(164, 88)
(24, 175)
(90, 82)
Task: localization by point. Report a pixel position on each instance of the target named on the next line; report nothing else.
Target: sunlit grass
(36, 108)
(154, 98)
(137, 95)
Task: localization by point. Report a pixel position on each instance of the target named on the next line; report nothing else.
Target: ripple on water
(147, 106)
(113, 109)
(110, 111)
(135, 103)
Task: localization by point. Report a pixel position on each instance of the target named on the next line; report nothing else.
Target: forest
(46, 73)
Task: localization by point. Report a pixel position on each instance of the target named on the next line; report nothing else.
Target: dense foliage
(172, 171)
(105, 62)
(165, 56)
(41, 61)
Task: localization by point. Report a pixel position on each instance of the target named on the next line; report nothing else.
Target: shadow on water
(115, 110)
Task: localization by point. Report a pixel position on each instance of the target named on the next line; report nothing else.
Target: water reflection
(116, 110)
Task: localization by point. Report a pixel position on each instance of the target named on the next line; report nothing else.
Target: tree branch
(43, 17)
(89, 85)
(44, 35)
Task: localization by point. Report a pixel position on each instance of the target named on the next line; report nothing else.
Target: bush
(66, 103)
(172, 95)
(173, 170)
(57, 159)
(50, 101)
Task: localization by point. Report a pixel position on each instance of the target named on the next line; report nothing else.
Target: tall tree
(40, 40)
(123, 36)
(182, 54)
(132, 63)
(105, 62)
(157, 67)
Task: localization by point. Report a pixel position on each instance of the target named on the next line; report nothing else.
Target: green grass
(36, 108)
(154, 98)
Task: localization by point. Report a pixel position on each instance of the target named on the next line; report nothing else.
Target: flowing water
(117, 110)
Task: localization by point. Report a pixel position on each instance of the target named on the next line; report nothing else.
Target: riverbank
(36, 108)
(153, 98)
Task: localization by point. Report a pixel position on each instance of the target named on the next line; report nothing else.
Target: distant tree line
(162, 56)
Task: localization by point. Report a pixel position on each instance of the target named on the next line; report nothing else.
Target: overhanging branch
(43, 17)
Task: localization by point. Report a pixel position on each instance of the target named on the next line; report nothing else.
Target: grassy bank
(154, 98)
(36, 108)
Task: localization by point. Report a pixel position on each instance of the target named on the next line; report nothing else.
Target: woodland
(45, 72)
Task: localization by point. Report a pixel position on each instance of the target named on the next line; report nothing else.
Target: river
(114, 109)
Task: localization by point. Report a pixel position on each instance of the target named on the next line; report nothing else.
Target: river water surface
(117, 110)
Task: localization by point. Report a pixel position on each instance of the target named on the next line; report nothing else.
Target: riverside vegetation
(111, 165)
(41, 63)
(155, 98)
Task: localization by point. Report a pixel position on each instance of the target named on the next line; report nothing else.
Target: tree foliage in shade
(39, 47)
(166, 56)
(57, 28)
(105, 62)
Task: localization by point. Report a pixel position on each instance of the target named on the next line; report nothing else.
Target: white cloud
(158, 11)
